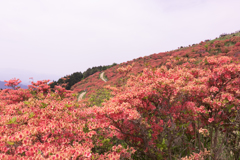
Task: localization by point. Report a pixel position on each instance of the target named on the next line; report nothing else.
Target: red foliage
(237, 44)
(165, 105)
(208, 48)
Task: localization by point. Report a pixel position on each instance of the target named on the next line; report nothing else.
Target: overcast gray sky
(59, 37)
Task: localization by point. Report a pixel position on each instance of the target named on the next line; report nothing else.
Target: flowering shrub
(237, 44)
(160, 110)
(204, 132)
(13, 83)
(177, 107)
(50, 125)
(163, 113)
(14, 95)
(198, 156)
(219, 46)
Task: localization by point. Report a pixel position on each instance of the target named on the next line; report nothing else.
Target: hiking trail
(81, 96)
(101, 76)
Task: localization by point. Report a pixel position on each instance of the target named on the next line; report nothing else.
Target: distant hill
(24, 75)
(2, 85)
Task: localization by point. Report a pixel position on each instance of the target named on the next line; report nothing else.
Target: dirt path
(83, 93)
(101, 76)
(81, 96)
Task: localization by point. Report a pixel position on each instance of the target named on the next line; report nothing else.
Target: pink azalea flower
(88, 154)
(210, 120)
(230, 98)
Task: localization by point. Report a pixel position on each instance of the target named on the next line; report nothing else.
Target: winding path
(101, 76)
(81, 96)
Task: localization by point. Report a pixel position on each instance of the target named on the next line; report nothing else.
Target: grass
(225, 37)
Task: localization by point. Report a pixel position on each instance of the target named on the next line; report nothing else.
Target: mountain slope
(78, 76)
(225, 45)
(187, 108)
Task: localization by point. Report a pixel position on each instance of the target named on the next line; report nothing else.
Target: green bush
(99, 97)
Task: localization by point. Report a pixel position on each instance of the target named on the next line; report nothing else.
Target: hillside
(182, 104)
(76, 77)
(225, 45)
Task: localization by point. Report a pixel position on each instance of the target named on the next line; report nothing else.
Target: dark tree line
(78, 76)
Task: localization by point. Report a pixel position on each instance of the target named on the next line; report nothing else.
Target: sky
(49, 39)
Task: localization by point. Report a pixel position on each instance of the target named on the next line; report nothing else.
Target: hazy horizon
(51, 39)
(24, 75)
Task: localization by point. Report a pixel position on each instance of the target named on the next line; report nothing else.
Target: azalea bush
(41, 124)
(172, 113)
(185, 109)
(228, 46)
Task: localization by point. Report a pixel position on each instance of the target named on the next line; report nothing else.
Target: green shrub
(99, 97)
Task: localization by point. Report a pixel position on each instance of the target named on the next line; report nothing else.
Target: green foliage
(180, 62)
(107, 144)
(206, 62)
(206, 46)
(212, 41)
(31, 115)
(186, 55)
(86, 129)
(230, 43)
(12, 121)
(177, 58)
(99, 97)
(224, 38)
(43, 105)
(10, 143)
(78, 76)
